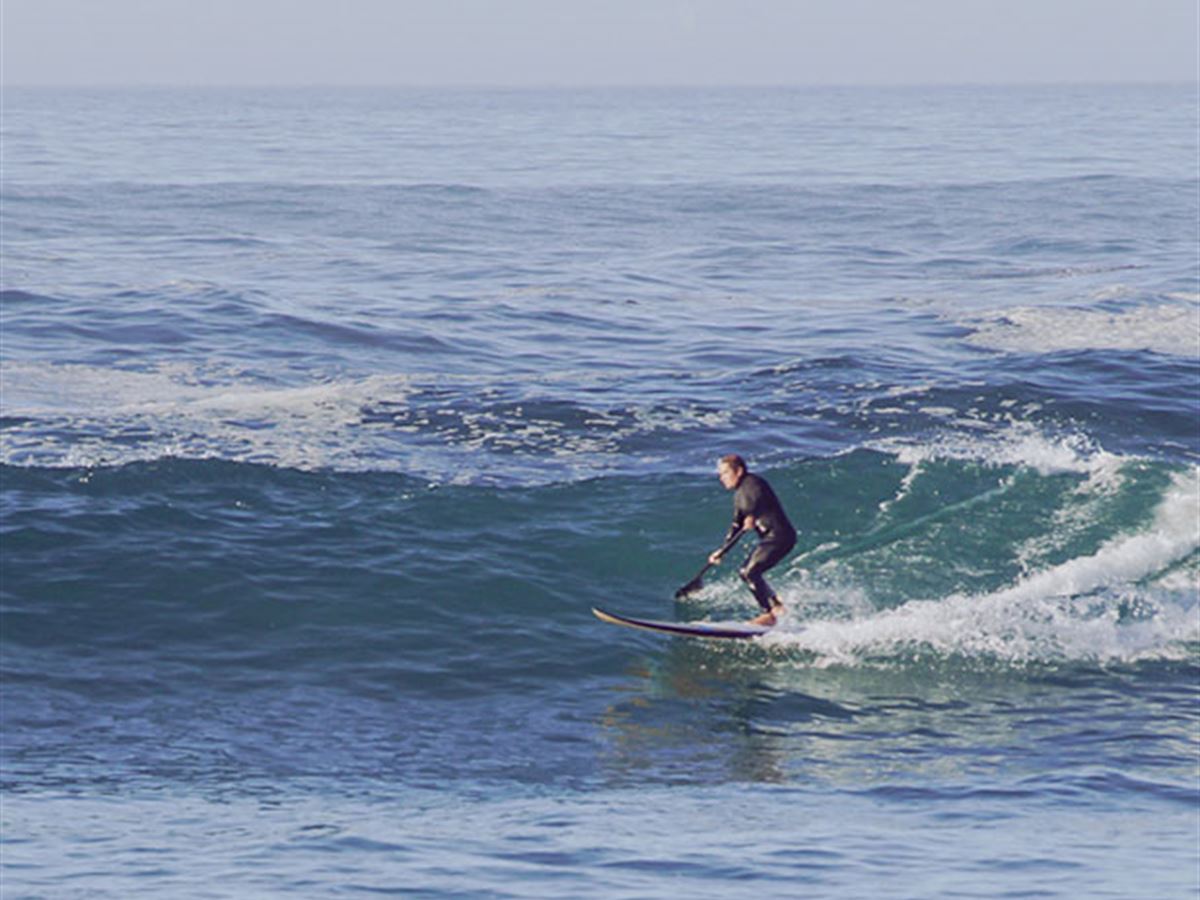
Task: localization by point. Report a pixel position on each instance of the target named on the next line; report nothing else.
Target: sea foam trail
(459, 429)
(1168, 328)
(1109, 606)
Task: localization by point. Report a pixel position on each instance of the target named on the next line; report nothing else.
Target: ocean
(329, 414)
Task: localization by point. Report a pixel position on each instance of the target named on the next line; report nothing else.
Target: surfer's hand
(714, 557)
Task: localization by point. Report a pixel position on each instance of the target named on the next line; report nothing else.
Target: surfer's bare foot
(769, 618)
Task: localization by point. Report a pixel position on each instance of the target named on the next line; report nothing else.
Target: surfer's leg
(761, 558)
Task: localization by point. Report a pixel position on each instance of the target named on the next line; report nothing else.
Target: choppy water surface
(328, 415)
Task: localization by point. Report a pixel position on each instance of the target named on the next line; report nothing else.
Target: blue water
(328, 415)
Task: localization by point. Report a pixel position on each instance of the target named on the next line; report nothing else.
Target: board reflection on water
(700, 712)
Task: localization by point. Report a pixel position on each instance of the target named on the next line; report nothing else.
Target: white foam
(1171, 328)
(111, 416)
(1067, 612)
(1018, 445)
(1010, 442)
(88, 416)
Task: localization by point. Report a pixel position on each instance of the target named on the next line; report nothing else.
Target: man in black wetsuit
(755, 507)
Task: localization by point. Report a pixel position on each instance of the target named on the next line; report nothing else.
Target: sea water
(329, 414)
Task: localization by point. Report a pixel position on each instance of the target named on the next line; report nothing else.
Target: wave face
(318, 445)
(903, 556)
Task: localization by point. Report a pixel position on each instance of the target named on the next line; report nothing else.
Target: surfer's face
(729, 475)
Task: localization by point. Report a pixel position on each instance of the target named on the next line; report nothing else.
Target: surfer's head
(730, 470)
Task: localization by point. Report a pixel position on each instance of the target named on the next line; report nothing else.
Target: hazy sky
(596, 42)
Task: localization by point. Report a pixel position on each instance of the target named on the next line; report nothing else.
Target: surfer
(755, 507)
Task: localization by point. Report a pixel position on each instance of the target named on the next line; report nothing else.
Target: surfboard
(727, 630)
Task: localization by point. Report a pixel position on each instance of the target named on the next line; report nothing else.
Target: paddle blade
(694, 585)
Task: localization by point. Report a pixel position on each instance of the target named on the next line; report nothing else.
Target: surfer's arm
(736, 530)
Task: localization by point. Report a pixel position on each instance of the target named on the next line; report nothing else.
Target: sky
(596, 42)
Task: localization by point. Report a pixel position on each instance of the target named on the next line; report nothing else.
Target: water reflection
(702, 712)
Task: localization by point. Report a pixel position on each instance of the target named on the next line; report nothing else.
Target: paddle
(695, 584)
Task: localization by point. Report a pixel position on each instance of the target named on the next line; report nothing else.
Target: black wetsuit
(777, 537)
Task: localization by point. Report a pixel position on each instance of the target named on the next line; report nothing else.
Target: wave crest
(1135, 598)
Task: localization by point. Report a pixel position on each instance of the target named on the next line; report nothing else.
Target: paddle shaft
(695, 584)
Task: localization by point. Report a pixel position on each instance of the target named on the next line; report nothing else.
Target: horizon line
(589, 86)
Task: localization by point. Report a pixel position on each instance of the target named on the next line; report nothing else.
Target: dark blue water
(328, 416)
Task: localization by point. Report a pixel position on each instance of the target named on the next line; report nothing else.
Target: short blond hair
(733, 461)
